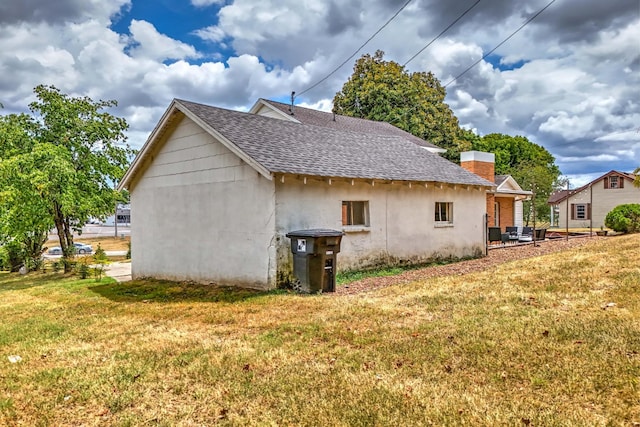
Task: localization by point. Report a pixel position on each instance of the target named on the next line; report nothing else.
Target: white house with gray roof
(215, 191)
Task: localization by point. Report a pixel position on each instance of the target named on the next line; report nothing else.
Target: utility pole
(115, 217)
(533, 204)
(590, 210)
(567, 216)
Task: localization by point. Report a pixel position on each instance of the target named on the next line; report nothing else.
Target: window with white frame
(613, 182)
(355, 213)
(444, 213)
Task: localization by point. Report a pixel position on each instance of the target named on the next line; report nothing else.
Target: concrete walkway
(121, 271)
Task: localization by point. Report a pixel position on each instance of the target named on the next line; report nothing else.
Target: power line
(357, 50)
(500, 44)
(441, 33)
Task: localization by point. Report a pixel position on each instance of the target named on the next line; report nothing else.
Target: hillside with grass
(550, 340)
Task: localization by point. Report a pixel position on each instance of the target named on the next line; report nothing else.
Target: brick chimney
(480, 163)
(483, 165)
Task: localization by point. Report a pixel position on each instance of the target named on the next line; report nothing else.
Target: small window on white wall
(355, 213)
(444, 213)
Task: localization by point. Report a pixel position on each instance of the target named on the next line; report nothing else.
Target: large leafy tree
(384, 91)
(58, 165)
(530, 164)
(24, 222)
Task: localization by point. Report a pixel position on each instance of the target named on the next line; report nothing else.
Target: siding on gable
(220, 210)
(190, 156)
(268, 112)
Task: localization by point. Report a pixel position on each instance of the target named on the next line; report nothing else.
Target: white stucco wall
(200, 213)
(401, 227)
(604, 200)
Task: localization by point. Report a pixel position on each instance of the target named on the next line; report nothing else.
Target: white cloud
(322, 105)
(577, 94)
(205, 3)
(150, 44)
(212, 33)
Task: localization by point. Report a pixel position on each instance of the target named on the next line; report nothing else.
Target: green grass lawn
(547, 341)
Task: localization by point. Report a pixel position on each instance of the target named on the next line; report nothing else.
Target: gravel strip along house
(214, 193)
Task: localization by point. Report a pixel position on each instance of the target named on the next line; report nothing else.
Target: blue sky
(569, 80)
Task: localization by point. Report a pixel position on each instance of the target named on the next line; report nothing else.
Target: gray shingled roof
(296, 148)
(346, 123)
(500, 179)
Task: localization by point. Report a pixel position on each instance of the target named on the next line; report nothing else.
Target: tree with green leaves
(636, 181)
(530, 164)
(24, 222)
(58, 167)
(384, 91)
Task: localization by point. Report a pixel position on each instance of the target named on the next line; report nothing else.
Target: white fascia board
(436, 150)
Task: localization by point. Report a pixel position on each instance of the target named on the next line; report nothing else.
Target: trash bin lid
(315, 232)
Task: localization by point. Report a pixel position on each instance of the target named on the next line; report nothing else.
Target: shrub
(624, 218)
(15, 256)
(57, 266)
(82, 268)
(100, 255)
(100, 260)
(4, 262)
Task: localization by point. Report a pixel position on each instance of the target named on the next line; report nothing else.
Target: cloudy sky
(569, 80)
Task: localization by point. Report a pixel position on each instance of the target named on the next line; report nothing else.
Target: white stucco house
(588, 206)
(214, 193)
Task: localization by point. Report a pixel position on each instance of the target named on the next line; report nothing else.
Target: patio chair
(527, 234)
(513, 234)
(541, 234)
(495, 235)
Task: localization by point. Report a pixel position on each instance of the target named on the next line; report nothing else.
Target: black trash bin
(315, 258)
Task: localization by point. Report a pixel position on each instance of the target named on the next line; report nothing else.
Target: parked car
(81, 249)
(56, 250)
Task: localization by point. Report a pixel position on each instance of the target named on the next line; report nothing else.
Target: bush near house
(624, 218)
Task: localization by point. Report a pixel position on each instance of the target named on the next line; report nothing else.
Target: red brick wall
(506, 212)
(485, 170)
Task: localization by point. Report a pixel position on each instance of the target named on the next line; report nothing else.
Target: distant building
(589, 205)
(123, 214)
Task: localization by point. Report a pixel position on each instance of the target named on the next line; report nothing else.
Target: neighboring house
(589, 205)
(504, 204)
(214, 193)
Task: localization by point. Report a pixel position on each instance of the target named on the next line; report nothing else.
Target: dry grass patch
(553, 340)
(108, 243)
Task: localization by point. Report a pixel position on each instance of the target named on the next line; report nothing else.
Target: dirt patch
(495, 257)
